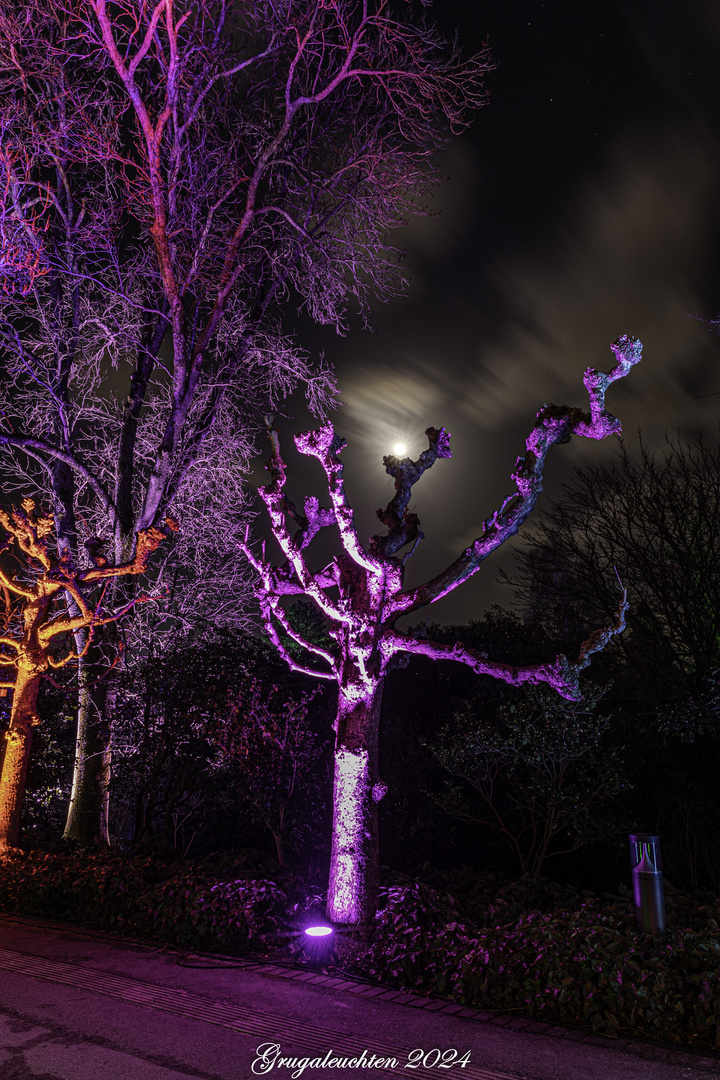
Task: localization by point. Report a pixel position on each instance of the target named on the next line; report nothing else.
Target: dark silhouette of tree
(267, 743)
(361, 594)
(35, 578)
(211, 736)
(172, 175)
(542, 768)
(654, 520)
(653, 517)
(419, 700)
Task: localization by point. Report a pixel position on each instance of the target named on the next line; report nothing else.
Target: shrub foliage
(574, 958)
(183, 906)
(584, 965)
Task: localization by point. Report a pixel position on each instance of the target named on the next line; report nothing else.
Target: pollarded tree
(171, 175)
(36, 577)
(361, 594)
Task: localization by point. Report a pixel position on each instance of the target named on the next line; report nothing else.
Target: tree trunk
(18, 740)
(354, 858)
(87, 820)
(279, 848)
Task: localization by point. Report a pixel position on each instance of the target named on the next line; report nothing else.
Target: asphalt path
(84, 1006)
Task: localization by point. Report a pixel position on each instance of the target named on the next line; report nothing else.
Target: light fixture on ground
(318, 931)
(648, 891)
(314, 939)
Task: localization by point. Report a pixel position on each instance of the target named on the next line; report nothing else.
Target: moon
(399, 449)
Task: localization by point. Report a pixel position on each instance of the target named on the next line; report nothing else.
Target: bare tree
(41, 637)
(172, 174)
(654, 519)
(361, 594)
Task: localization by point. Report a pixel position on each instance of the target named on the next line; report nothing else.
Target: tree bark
(88, 813)
(355, 857)
(18, 740)
(279, 848)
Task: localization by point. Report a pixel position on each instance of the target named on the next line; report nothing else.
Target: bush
(587, 966)
(540, 771)
(571, 958)
(184, 906)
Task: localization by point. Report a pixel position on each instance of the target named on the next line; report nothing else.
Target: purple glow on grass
(318, 931)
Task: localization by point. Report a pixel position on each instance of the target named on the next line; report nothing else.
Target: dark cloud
(629, 256)
(582, 206)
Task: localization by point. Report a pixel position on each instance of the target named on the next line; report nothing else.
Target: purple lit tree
(361, 594)
(172, 174)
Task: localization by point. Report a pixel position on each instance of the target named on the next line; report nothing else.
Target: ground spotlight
(314, 938)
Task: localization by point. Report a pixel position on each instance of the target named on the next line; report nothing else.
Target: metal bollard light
(648, 889)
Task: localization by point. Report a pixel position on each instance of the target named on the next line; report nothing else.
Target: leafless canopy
(171, 175)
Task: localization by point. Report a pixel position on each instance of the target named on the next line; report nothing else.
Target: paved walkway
(79, 1005)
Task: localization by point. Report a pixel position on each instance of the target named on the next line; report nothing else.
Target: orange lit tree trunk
(31, 665)
(32, 644)
(18, 741)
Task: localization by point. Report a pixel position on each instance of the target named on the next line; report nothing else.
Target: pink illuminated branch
(561, 674)
(275, 586)
(278, 507)
(554, 424)
(326, 446)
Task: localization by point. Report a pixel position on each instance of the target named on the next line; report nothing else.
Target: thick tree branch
(275, 500)
(15, 586)
(271, 611)
(326, 446)
(403, 527)
(139, 380)
(147, 541)
(561, 674)
(80, 622)
(41, 445)
(554, 424)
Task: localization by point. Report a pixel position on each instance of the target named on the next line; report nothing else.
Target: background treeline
(217, 748)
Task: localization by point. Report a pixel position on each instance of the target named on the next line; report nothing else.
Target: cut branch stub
(147, 542)
(403, 526)
(30, 530)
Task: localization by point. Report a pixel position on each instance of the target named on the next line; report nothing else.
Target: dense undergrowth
(577, 960)
(532, 947)
(211, 907)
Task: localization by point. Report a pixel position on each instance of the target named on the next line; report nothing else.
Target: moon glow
(399, 449)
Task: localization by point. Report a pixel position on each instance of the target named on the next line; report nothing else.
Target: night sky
(583, 203)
